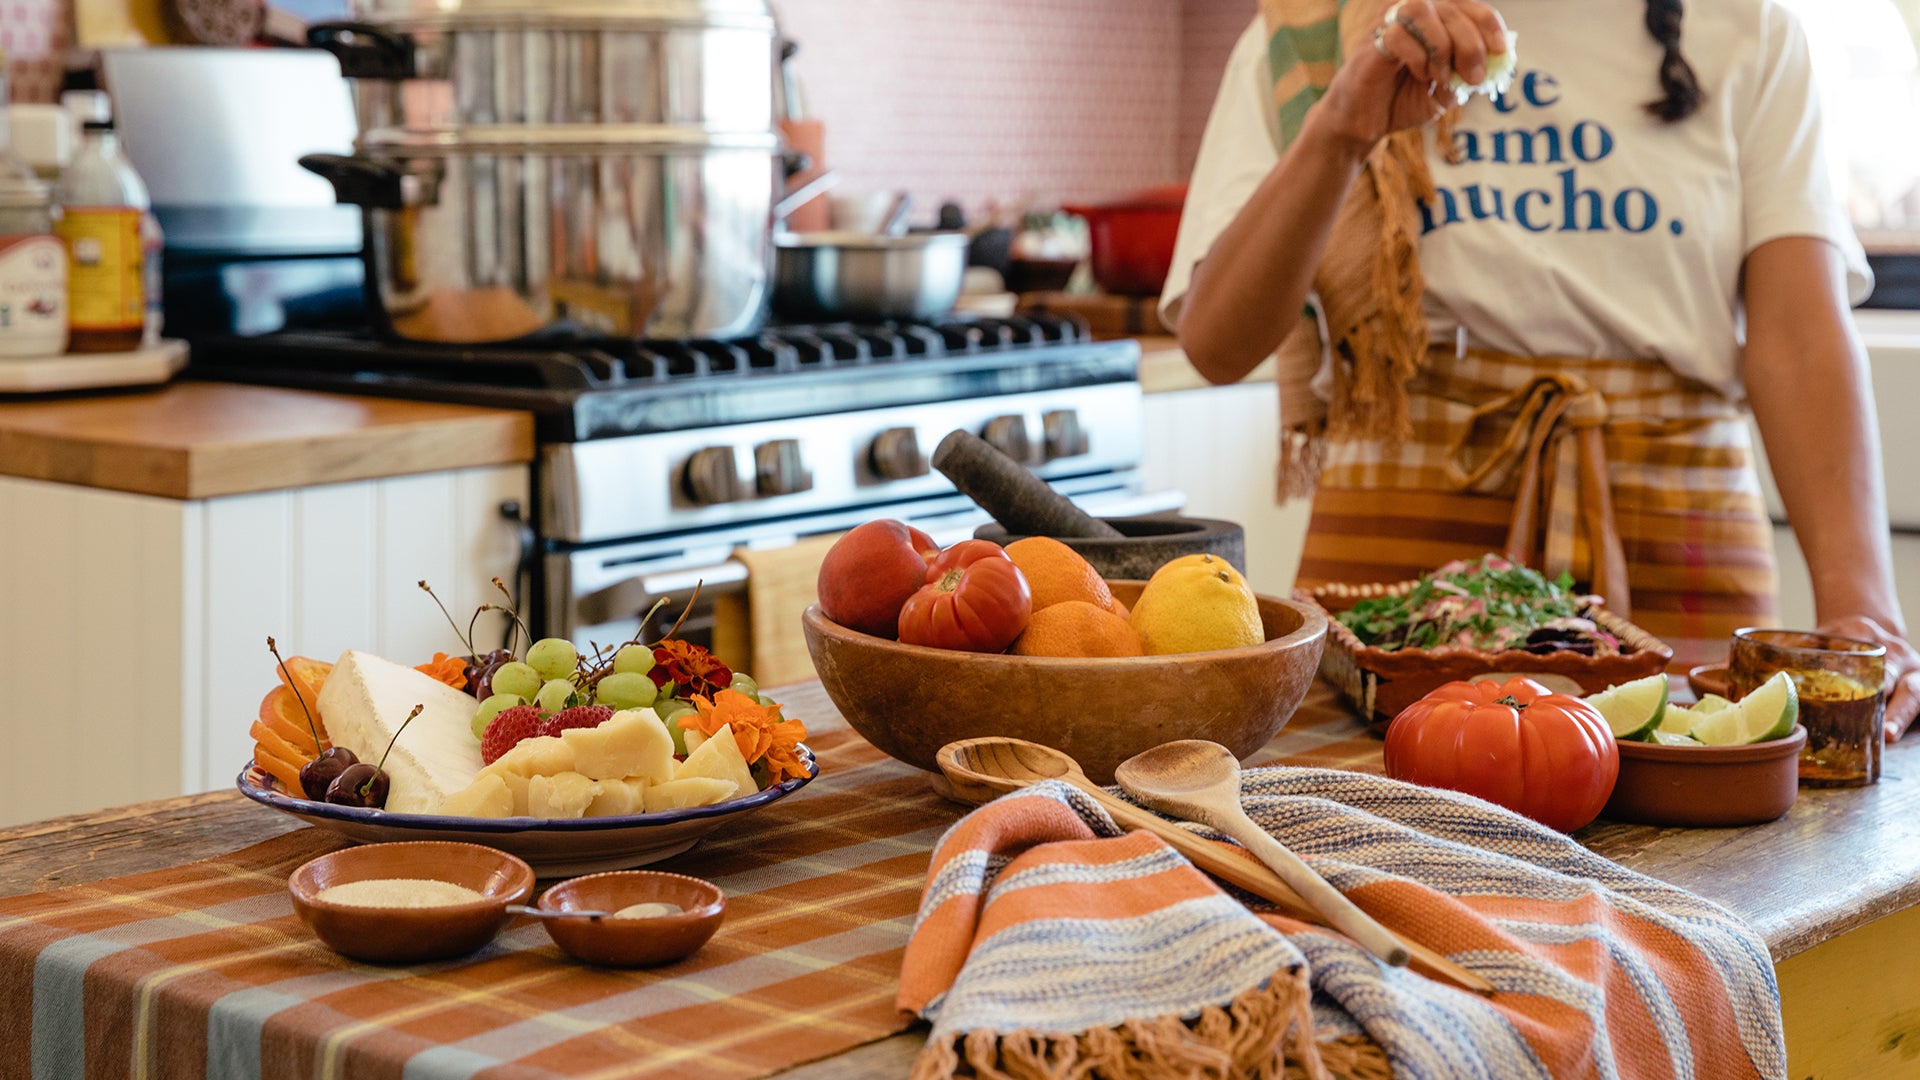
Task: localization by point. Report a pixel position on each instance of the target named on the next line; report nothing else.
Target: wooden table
(1832, 887)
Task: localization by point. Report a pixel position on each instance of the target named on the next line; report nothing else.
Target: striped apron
(1637, 481)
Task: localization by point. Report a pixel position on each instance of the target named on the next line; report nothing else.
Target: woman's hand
(1401, 81)
(1903, 669)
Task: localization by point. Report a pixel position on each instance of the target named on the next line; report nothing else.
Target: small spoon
(981, 770)
(1200, 781)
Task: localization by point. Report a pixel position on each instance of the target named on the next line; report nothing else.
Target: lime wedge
(1633, 709)
(1668, 738)
(1762, 716)
(1711, 703)
(1679, 720)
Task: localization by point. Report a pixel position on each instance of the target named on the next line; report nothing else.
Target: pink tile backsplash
(984, 100)
(33, 34)
(1208, 29)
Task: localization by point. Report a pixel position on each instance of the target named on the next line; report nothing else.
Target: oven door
(754, 580)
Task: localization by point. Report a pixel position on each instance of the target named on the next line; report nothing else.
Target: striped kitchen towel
(1050, 945)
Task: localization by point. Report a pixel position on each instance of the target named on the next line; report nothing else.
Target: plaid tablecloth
(204, 968)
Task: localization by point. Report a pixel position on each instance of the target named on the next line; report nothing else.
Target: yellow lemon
(1196, 603)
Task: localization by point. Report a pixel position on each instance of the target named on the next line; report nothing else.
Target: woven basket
(1382, 682)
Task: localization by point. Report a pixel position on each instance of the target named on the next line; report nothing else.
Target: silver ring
(1391, 15)
(1379, 42)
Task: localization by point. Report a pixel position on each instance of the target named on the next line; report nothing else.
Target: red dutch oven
(1133, 239)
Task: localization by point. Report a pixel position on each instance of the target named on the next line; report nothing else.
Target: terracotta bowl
(411, 935)
(1709, 679)
(661, 939)
(910, 701)
(1706, 786)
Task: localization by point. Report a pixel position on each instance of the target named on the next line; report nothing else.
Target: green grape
(765, 701)
(491, 708)
(633, 660)
(679, 735)
(625, 690)
(553, 696)
(518, 678)
(745, 685)
(553, 658)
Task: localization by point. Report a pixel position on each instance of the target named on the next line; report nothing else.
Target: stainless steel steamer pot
(525, 166)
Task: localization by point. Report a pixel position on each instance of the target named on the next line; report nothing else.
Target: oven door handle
(632, 597)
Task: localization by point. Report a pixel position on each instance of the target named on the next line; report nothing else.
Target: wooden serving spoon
(1200, 781)
(981, 770)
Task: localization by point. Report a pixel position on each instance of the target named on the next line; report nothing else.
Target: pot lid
(702, 12)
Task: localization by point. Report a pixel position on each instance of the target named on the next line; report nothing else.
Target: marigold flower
(451, 670)
(759, 730)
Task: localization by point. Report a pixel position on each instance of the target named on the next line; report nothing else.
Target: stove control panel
(1008, 434)
(778, 468)
(711, 476)
(1062, 435)
(895, 454)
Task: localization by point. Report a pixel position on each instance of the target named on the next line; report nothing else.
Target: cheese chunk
(366, 699)
(618, 798)
(631, 743)
(719, 758)
(563, 795)
(693, 791)
(488, 797)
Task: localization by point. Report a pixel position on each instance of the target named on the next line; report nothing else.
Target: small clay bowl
(643, 942)
(411, 935)
(1709, 679)
(1706, 786)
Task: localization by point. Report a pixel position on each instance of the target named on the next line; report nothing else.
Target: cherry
(359, 784)
(317, 775)
(479, 672)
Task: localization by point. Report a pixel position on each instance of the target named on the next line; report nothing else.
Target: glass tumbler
(1842, 689)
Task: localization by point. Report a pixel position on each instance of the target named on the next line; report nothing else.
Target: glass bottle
(33, 264)
(104, 224)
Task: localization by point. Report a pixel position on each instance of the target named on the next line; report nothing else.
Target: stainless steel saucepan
(838, 275)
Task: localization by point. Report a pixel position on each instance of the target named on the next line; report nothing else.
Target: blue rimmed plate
(554, 847)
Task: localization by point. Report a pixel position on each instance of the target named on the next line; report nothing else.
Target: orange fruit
(1076, 628)
(1057, 573)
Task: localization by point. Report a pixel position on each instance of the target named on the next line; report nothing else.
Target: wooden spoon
(981, 770)
(1200, 781)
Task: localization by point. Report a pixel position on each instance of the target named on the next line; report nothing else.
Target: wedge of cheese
(366, 699)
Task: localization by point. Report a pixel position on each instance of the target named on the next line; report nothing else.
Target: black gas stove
(582, 389)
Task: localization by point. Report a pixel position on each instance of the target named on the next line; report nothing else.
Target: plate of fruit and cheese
(574, 764)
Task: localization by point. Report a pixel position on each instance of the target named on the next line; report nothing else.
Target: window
(1866, 56)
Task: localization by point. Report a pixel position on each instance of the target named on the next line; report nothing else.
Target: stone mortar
(1147, 543)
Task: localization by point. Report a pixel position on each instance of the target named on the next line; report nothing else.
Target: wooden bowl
(411, 935)
(1706, 786)
(661, 939)
(910, 701)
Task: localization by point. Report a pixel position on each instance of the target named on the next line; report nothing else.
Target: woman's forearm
(1806, 376)
(1248, 292)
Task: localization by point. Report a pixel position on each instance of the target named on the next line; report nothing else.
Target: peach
(869, 573)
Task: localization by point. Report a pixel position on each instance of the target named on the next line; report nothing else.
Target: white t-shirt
(1578, 224)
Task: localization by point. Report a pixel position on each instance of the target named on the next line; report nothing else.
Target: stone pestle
(1016, 498)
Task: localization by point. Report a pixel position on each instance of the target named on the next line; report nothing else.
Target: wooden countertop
(1164, 368)
(196, 440)
(1839, 859)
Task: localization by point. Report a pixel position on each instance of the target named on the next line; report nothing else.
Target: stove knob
(778, 470)
(710, 476)
(1063, 437)
(1008, 434)
(895, 454)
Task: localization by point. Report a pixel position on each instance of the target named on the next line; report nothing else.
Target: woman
(1536, 316)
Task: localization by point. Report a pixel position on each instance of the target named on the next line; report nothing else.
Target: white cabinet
(134, 639)
(1221, 446)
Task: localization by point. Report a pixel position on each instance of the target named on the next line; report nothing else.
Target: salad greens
(1487, 603)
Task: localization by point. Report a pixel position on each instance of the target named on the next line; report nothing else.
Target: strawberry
(507, 729)
(580, 716)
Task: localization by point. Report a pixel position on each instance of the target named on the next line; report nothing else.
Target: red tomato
(1548, 756)
(974, 600)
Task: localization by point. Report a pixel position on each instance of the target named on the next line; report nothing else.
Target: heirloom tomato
(974, 600)
(1546, 755)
